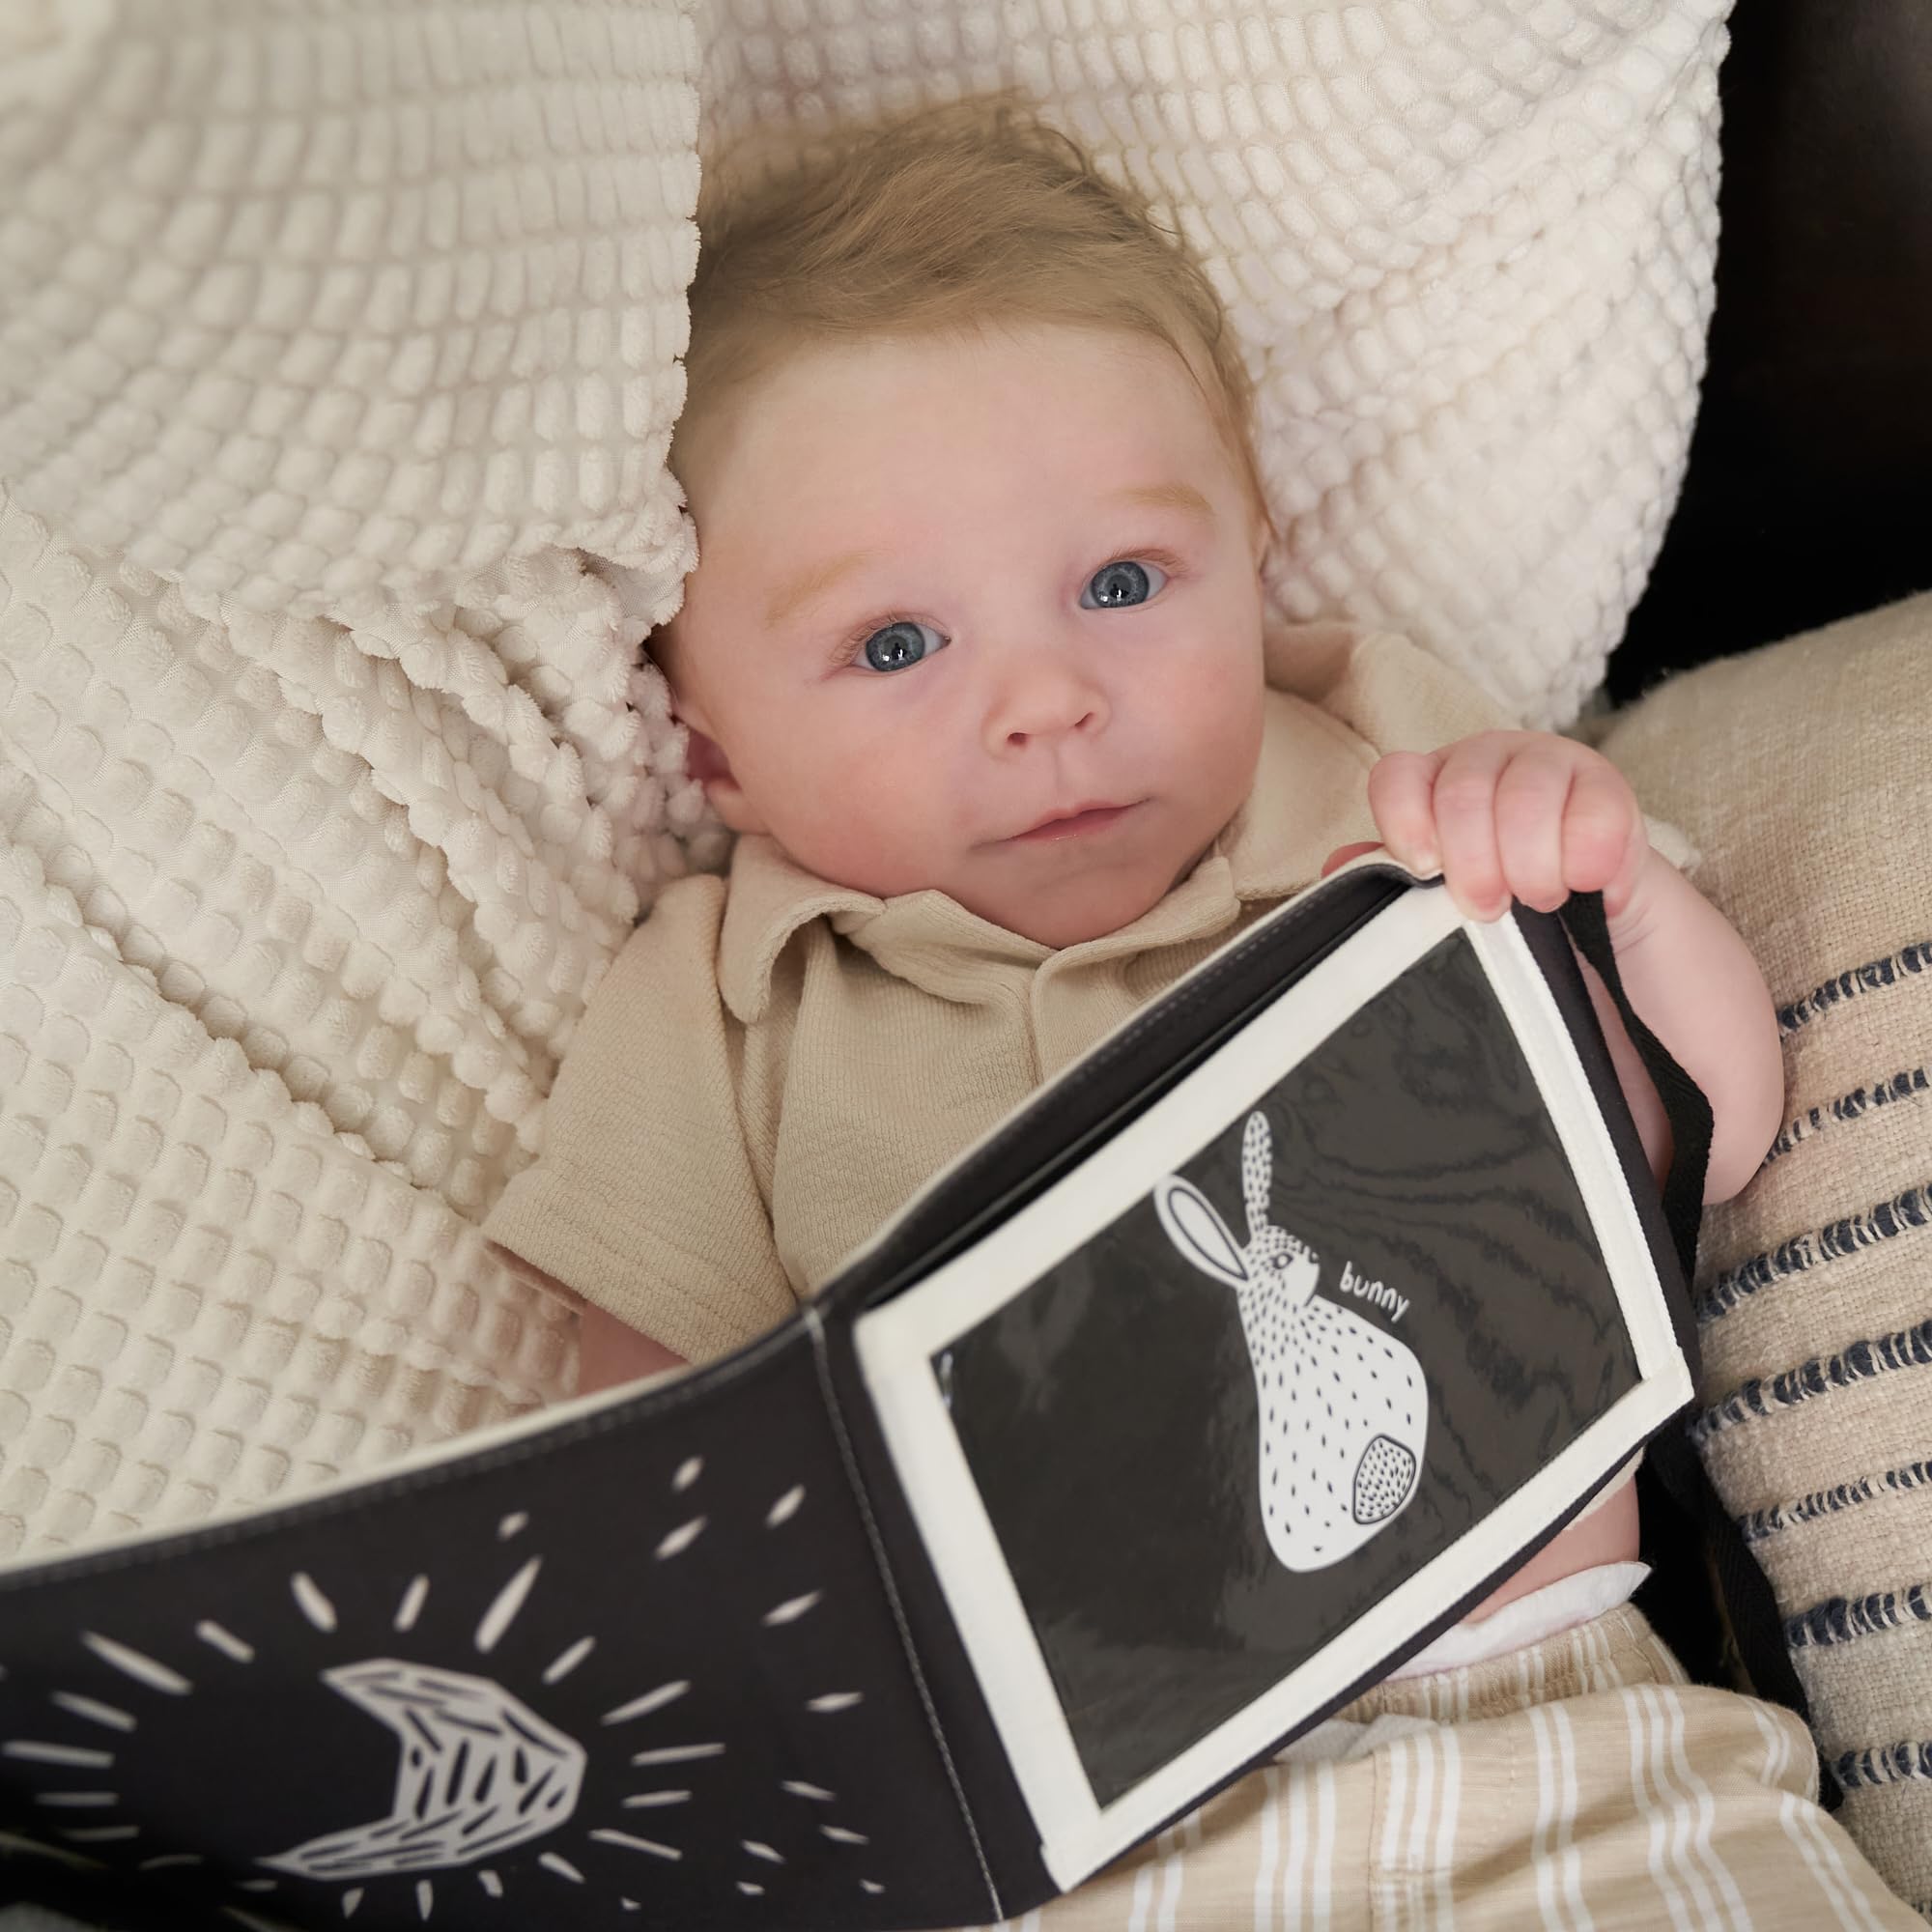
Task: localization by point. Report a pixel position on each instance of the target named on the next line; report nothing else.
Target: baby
(975, 662)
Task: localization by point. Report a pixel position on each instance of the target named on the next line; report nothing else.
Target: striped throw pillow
(1802, 774)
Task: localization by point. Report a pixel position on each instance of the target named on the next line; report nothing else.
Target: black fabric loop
(1749, 1603)
(1684, 1101)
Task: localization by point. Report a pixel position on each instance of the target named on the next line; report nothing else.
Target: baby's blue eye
(900, 645)
(1115, 586)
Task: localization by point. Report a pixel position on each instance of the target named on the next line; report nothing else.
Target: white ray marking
(255, 1885)
(681, 1538)
(797, 1789)
(491, 1884)
(169, 1859)
(249, 1919)
(750, 1889)
(648, 1801)
(839, 1835)
(759, 1850)
(351, 1900)
(563, 1868)
(313, 1605)
(679, 1754)
(132, 1664)
(516, 1519)
(605, 1836)
(561, 1667)
(837, 1700)
(866, 1885)
(33, 1752)
(629, 1905)
(425, 1898)
(410, 1608)
(651, 1700)
(101, 1834)
(225, 1641)
(794, 1607)
(94, 1713)
(688, 1472)
(502, 1614)
(13, 1841)
(785, 1508)
(77, 1799)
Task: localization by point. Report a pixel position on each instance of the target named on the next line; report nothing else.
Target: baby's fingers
(1465, 799)
(1604, 834)
(1401, 789)
(1533, 796)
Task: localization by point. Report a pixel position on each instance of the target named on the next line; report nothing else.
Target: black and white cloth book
(1244, 1358)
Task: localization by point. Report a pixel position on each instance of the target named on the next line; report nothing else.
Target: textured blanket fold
(329, 785)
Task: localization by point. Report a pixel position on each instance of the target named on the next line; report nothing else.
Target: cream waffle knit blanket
(329, 336)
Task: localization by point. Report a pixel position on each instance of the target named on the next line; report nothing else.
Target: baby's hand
(1512, 813)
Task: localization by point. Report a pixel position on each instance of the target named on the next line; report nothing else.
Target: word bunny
(1344, 1408)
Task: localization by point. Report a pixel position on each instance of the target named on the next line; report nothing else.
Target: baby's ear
(705, 760)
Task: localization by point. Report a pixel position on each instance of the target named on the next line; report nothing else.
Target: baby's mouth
(1082, 821)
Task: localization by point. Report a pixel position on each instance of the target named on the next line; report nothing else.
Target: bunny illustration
(1344, 1408)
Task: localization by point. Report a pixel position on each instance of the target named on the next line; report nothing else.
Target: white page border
(896, 1342)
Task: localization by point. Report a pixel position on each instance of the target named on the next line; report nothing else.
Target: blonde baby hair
(948, 219)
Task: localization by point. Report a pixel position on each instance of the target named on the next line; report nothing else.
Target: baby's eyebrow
(811, 582)
(1166, 496)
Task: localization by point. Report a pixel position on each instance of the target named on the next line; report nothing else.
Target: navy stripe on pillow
(1907, 1348)
(1885, 1764)
(1873, 976)
(1845, 1619)
(1881, 1222)
(1903, 1085)
(1757, 1524)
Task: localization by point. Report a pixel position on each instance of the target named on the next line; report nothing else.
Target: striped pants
(1576, 1785)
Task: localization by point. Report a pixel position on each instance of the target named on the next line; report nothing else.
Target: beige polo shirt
(774, 1063)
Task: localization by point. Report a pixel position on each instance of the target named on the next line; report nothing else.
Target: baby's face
(947, 591)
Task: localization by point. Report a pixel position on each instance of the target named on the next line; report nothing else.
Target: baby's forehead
(999, 384)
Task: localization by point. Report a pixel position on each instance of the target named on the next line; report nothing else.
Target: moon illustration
(477, 1772)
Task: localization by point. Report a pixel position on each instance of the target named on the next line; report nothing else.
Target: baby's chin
(1078, 908)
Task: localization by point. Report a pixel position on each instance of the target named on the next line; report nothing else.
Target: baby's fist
(1505, 814)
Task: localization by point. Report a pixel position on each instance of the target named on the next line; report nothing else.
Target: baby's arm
(610, 1351)
(1537, 816)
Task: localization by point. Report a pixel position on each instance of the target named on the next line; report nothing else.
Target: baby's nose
(1044, 698)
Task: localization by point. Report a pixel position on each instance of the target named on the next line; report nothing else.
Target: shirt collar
(1304, 800)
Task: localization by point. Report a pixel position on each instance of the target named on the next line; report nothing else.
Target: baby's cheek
(848, 819)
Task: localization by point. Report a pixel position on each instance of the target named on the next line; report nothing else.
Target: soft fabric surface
(1580, 1784)
(324, 342)
(322, 802)
(1466, 246)
(1801, 772)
